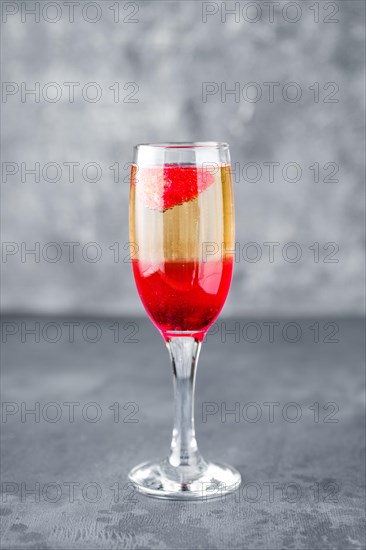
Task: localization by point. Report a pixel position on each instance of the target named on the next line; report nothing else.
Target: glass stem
(184, 352)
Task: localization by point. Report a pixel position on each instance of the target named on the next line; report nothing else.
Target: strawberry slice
(162, 187)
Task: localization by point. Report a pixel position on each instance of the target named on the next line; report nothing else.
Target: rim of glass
(185, 145)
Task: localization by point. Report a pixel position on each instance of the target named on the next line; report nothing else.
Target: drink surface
(182, 233)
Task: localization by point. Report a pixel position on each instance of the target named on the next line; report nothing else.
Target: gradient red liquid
(183, 296)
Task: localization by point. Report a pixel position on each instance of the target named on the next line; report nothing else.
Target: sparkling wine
(182, 240)
(182, 265)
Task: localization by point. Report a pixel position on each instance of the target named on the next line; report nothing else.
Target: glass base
(205, 481)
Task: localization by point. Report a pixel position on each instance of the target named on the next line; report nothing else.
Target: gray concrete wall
(168, 53)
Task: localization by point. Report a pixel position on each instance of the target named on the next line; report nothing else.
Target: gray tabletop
(296, 435)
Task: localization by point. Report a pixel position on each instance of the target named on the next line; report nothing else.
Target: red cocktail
(182, 241)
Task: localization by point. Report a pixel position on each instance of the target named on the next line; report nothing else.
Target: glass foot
(205, 481)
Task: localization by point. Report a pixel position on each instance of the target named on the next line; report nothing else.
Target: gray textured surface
(169, 53)
(281, 452)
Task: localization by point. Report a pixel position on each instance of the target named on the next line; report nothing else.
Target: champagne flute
(182, 241)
